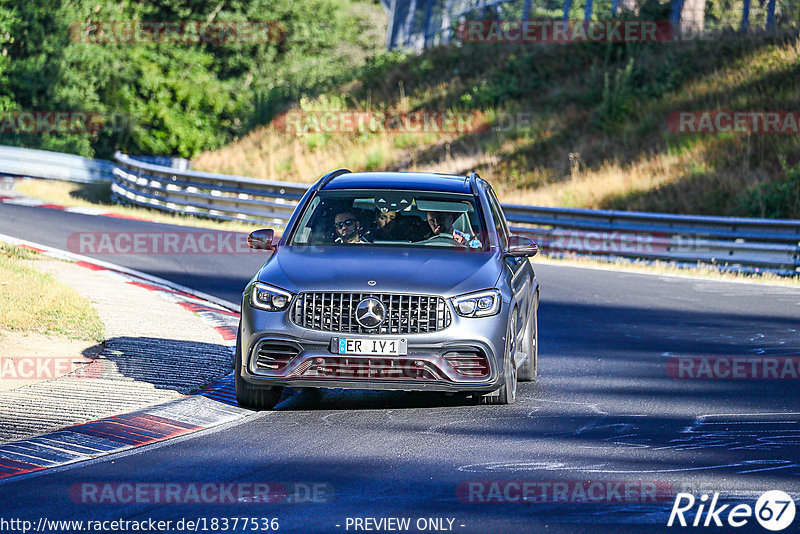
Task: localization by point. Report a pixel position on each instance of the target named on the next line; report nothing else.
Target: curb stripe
(10, 468)
(73, 441)
(160, 422)
(90, 266)
(116, 433)
(195, 307)
(43, 251)
(36, 203)
(22, 452)
(130, 434)
(15, 464)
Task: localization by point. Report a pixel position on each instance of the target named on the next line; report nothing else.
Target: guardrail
(218, 196)
(17, 161)
(742, 242)
(770, 244)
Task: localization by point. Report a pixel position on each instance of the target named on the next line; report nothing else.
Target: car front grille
(405, 314)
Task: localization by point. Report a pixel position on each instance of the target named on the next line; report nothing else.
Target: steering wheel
(442, 239)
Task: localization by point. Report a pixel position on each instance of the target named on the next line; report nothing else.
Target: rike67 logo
(774, 511)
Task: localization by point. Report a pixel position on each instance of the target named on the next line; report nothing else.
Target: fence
(418, 24)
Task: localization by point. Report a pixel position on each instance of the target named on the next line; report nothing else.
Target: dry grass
(97, 196)
(590, 189)
(272, 154)
(562, 158)
(32, 301)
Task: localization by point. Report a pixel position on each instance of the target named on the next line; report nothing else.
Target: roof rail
(322, 182)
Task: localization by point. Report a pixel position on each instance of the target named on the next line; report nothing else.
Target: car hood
(393, 269)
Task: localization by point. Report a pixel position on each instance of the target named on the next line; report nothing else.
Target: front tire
(249, 395)
(508, 393)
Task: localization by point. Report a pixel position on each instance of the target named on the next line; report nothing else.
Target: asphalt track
(604, 410)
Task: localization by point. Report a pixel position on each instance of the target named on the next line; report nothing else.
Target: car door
(521, 272)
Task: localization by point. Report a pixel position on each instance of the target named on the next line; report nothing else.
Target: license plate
(369, 347)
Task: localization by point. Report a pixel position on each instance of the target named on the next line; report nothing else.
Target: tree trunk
(629, 6)
(693, 17)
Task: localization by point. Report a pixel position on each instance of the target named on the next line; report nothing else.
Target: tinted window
(391, 218)
(499, 218)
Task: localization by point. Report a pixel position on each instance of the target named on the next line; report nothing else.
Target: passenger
(385, 227)
(347, 228)
(441, 222)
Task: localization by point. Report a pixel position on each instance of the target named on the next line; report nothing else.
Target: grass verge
(32, 301)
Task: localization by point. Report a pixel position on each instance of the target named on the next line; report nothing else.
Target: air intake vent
(469, 363)
(404, 314)
(276, 355)
(371, 368)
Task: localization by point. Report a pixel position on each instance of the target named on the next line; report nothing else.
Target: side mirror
(521, 246)
(261, 239)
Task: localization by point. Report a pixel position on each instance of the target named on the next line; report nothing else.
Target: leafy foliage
(778, 199)
(173, 98)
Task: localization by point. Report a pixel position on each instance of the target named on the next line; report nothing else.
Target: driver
(347, 228)
(441, 223)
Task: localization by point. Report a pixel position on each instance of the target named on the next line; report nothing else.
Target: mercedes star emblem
(370, 313)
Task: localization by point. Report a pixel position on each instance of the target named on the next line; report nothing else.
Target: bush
(175, 99)
(779, 199)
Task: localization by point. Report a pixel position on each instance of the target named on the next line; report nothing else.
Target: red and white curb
(115, 434)
(212, 405)
(21, 200)
(36, 203)
(95, 264)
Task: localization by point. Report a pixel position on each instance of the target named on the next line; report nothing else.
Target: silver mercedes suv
(402, 281)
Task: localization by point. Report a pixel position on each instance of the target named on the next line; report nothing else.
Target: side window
(499, 218)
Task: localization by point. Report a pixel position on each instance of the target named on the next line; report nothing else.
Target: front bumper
(447, 360)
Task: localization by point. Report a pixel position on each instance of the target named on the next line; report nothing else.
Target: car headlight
(480, 304)
(269, 298)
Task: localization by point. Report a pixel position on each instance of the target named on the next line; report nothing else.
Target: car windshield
(391, 218)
